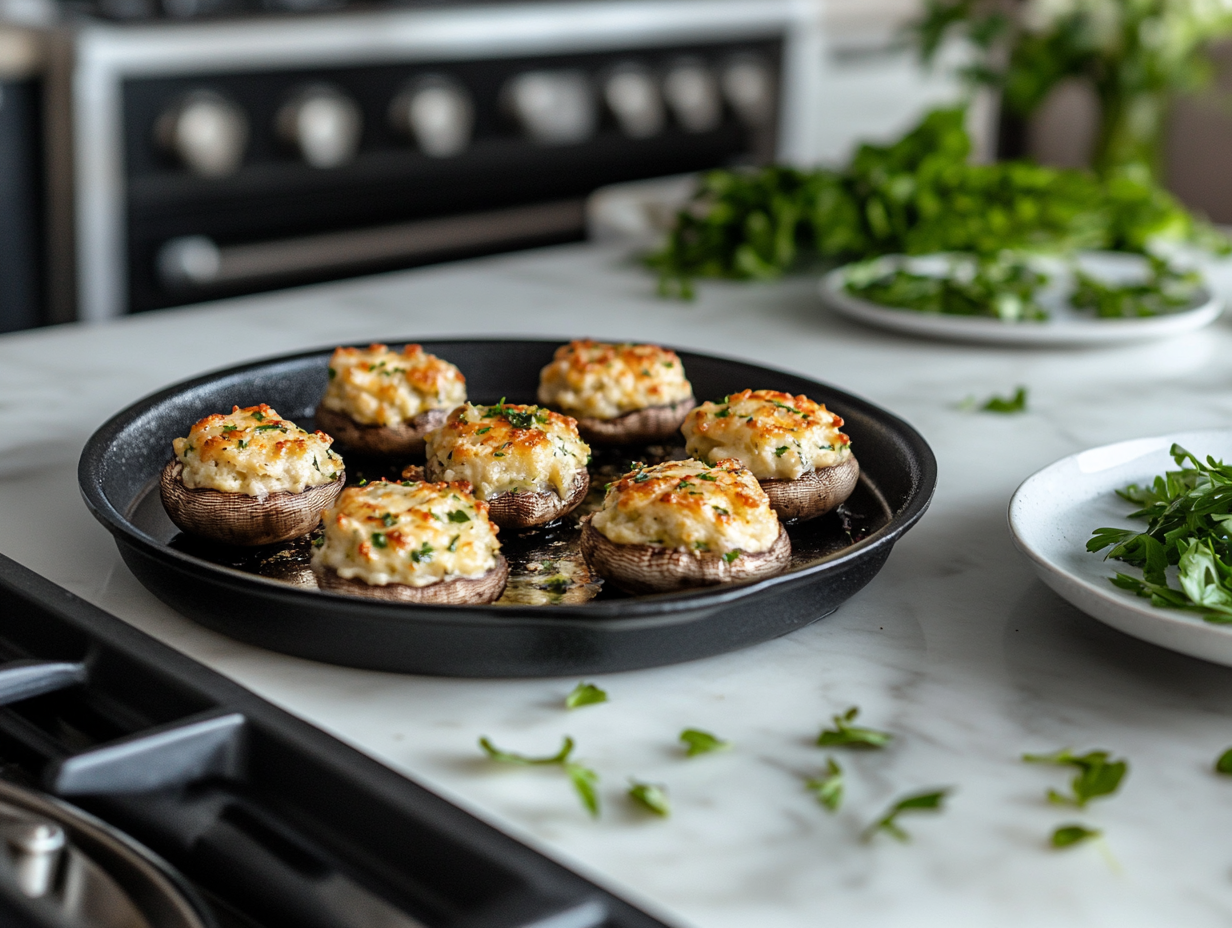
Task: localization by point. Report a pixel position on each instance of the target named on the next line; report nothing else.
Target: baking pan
(243, 595)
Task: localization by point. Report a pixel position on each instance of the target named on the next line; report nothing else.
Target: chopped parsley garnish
(1007, 405)
(720, 510)
(388, 519)
(259, 416)
(788, 408)
(332, 373)
(641, 478)
(844, 734)
(363, 482)
(239, 443)
(266, 428)
(701, 546)
(828, 788)
(498, 454)
(731, 555)
(379, 540)
(709, 477)
(650, 797)
(697, 742)
(422, 554)
(1224, 763)
(318, 542)
(229, 428)
(722, 413)
(453, 544)
(780, 451)
(585, 694)
(1070, 835)
(667, 363)
(1098, 775)
(459, 516)
(584, 780)
(484, 430)
(920, 802)
(557, 585)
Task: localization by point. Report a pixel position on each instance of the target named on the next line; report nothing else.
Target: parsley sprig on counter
(919, 195)
(932, 801)
(845, 734)
(585, 781)
(1188, 512)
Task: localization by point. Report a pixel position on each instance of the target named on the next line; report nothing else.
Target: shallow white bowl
(1056, 509)
(1064, 327)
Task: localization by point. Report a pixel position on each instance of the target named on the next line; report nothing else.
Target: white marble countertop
(955, 647)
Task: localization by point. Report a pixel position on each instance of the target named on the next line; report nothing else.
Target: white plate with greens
(1063, 324)
(1056, 511)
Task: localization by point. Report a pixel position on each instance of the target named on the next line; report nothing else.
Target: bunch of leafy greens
(919, 195)
(1188, 512)
(1166, 289)
(1004, 286)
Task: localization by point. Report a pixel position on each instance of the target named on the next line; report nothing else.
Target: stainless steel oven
(208, 148)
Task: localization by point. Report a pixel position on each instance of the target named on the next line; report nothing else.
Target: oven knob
(633, 97)
(436, 113)
(552, 107)
(206, 132)
(693, 95)
(749, 87)
(323, 124)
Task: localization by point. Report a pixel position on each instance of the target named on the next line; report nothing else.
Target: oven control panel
(241, 181)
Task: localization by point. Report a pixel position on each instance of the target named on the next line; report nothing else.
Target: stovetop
(273, 822)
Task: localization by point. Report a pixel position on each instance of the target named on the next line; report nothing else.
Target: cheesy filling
(412, 533)
(256, 452)
(690, 505)
(604, 381)
(775, 435)
(507, 448)
(377, 386)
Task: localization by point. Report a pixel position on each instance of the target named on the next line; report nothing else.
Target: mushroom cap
(239, 519)
(405, 438)
(642, 569)
(642, 426)
(460, 591)
(815, 493)
(525, 510)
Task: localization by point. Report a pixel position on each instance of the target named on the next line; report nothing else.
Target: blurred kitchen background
(156, 153)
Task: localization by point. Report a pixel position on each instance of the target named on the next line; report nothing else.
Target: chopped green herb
(229, 428)
(363, 482)
(701, 742)
(1224, 763)
(520, 419)
(379, 540)
(459, 516)
(1098, 775)
(585, 782)
(701, 546)
(498, 454)
(650, 797)
(1069, 835)
(422, 554)
(828, 788)
(266, 428)
(844, 734)
(708, 477)
(259, 416)
(332, 373)
(919, 802)
(731, 555)
(484, 430)
(667, 363)
(318, 542)
(585, 694)
(1007, 405)
(722, 413)
(640, 478)
(780, 451)
(453, 544)
(720, 510)
(240, 443)
(388, 519)
(509, 757)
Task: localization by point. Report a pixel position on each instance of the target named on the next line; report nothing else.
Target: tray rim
(616, 614)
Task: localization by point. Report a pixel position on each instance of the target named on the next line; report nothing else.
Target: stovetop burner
(271, 821)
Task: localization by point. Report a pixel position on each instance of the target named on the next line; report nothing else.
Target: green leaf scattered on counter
(828, 788)
(1224, 763)
(1188, 513)
(844, 734)
(701, 742)
(585, 694)
(1098, 775)
(585, 781)
(1006, 405)
(920, 802)
(650, 797)
(1070, 835)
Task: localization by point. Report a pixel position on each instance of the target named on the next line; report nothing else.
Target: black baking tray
(120, 464)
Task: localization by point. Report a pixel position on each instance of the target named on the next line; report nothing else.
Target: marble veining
(956, 647)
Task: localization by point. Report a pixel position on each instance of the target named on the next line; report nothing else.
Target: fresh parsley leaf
(259, 416)
(1069, 835)
(1224, 763)
(239, 443)
(640, 478)
(919, 802)
(453, 544)
(844, 734)
(520, 419)
(459, 516)
(484, 430)
(586, 784)
(731, 555)
(780, 451)
(720, 510)
(585, 694)
(650, 797)
(509, 757)
(1007, 405)
(697, 742)
(711, 478)
(229, 428)
(388, 519)
(363, 482)
(423, 554)
(828, 788)
(557, 585)
(379, 540)
(1098, 775)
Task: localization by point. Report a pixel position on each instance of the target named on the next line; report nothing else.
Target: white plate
(1056, 509)
(1065, 325)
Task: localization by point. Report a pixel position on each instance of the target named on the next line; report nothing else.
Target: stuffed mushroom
(411, 542)
(619, 393)
(384, 402)
(791, 444)
(527, 463)
(684, 524)
(250, 478)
